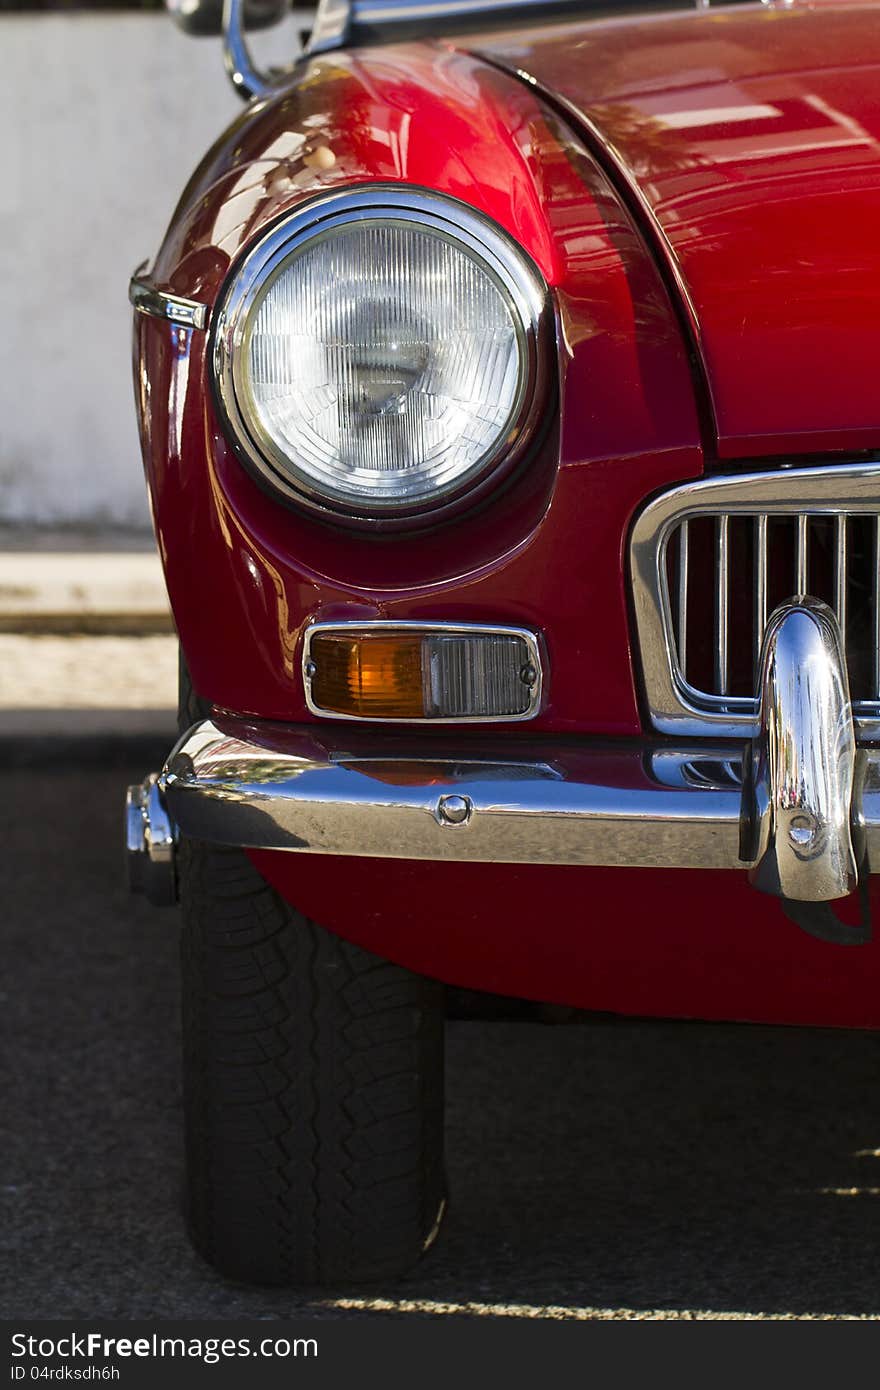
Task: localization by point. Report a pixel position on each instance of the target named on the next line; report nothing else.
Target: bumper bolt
(454, 810)
(801, 831)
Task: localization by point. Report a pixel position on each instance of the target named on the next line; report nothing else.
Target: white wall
(102, 119)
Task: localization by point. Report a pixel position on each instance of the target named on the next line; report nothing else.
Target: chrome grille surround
(838, 492)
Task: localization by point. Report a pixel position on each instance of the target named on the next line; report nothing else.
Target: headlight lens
(380, 359)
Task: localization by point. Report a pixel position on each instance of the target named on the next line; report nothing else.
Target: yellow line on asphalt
(565, 1313)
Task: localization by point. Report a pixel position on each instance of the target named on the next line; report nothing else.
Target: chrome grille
(712, 559)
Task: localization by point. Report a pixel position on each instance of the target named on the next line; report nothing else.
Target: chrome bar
(799, 808)
(682, 596)
(840, 575)
(330, 25)
(150, 843)
(760, 583)
(148, 299)
(721, 602)
(802, 562)
(241, 70)
(243, 784)
(260, 785)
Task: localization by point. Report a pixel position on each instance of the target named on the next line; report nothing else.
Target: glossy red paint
(752, 137)
(652, 942)
(246, 574)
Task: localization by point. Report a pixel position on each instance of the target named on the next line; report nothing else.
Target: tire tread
(313, 1088)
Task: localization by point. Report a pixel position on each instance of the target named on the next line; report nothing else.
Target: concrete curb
(86, 624)
(100, 592)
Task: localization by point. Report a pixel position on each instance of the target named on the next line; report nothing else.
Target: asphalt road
(627, 1169)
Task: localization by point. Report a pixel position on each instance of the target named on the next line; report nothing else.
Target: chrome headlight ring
(474, 235)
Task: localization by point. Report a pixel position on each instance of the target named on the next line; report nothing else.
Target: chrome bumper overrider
(799, 806)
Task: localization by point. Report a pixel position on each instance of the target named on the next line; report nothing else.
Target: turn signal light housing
(420, 673)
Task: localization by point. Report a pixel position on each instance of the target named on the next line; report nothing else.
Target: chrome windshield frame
(339, 23)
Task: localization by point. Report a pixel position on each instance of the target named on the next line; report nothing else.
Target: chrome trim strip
(683, 574)
(241, 70)
(530, 640)
(471, 230)
(375, 12)
(150, 843)
(161, 304)
(339, 22)
(263, 786)
(238, 786)
(722, 591)
(674, 706)
(760, 583)
(801, 789)
(330, 27)
(802, 557)
(840, 575)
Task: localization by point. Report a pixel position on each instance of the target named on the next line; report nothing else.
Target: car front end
(512, 446)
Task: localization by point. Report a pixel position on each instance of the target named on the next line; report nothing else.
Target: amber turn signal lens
(423, 673)
(373, 676)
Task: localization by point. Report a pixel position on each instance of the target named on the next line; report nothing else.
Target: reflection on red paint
(754, 135)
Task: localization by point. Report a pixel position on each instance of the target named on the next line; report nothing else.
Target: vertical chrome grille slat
(682, 596)
(840, 573)
(822, 555)
(812, 526)
(760, 583)
(722, 592)
(802, 560)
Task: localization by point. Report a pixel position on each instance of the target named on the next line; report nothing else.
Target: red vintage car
(507, 385)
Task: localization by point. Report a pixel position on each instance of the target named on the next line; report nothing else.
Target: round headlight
(376, 353)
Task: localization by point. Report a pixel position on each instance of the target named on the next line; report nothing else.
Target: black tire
(191, 708)
(313, 1088)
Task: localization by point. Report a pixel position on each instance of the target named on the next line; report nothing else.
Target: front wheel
(313, 1088)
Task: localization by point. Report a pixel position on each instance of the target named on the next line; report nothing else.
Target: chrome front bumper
(799, 806)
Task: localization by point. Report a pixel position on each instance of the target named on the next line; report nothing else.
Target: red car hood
(750, 138)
